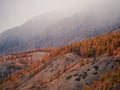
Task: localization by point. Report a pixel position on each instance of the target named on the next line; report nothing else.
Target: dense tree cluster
(93, 47)
(105, 44)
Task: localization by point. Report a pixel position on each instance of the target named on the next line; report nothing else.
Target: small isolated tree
(87, 88)
(82, 62)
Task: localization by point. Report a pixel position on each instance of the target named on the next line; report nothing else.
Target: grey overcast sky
(16, 12)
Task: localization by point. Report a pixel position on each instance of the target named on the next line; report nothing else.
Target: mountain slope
(71, 66)
(10, 39)
(69, 71)
(49, 30)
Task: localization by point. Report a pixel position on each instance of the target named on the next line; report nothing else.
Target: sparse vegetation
(77, 79)
(84, 75)
(96, 67)
(69, 77)
(106, 81)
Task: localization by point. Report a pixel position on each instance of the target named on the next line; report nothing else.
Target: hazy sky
(16, 12)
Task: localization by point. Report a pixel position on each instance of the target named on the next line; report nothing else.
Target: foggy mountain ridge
(53, 30)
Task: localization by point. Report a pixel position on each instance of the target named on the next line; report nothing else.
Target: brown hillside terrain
(76, 66)
(67, 73)
(15, 62)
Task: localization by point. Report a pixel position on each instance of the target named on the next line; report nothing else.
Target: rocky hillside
(68, 73)
(89, 64)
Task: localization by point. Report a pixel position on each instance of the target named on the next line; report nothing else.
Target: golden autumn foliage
(96, 46)
(105, 44)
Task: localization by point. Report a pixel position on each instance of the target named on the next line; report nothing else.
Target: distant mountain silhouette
(52, 29)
